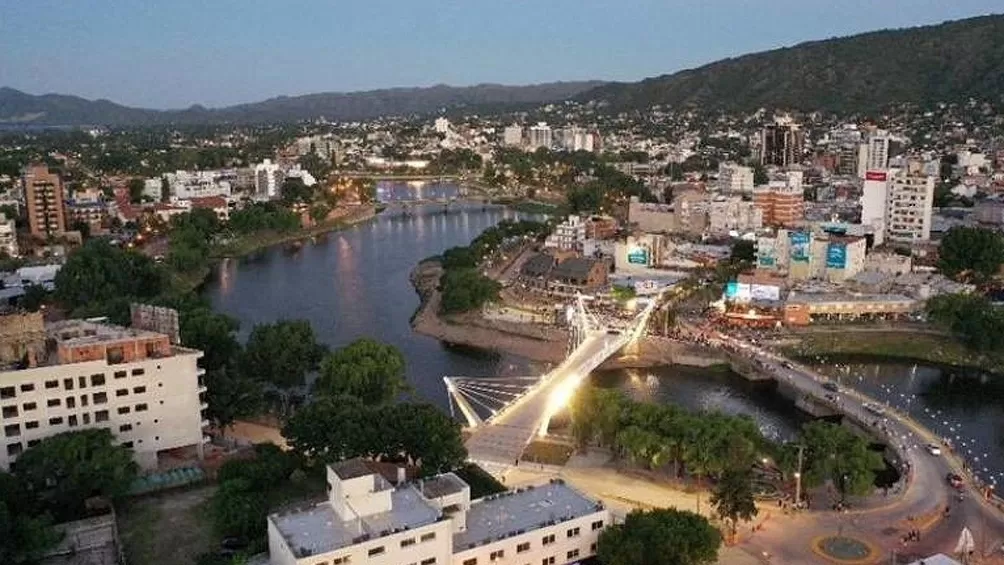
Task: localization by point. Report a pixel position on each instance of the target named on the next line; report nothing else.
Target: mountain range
(951, 61)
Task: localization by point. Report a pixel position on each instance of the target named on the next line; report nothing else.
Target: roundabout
(844, 549)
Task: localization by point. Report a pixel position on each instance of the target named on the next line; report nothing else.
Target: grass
(480, 481)
(173, 527)
(548, 453)
(906, 346)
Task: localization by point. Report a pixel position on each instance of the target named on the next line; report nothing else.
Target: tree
(366, 369)
(25, 531)
(743, 251)
(972, 318)
(188, 249)
(425, 436)
(68, 468)
(34, 297)
(464, 290)
(203, 221)
(834, 453)
(660, 537)
(83, 227)
(231, 396)
(733, 497)
(136, 186)
(334, 428)
(270, 467)
(237, 509)
(294, 191)
(760, 175)
(281, 354)
(971, 251)
(98, 273)
(165, 190)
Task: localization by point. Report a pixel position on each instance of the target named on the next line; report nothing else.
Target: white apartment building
(539, 136)
(441, 125)
(909, 206)
(434, 522)
(268, 177)
(512, 136)
(8, 236)
(732, 213)
(734, 178)
(185, 185)
(873, 154)
(568, 235)
(82, 375)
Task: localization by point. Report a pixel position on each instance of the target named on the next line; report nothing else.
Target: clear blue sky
(173, 53)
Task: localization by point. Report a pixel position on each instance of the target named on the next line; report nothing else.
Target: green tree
(136, 186)
(83, 227)
(35, 296)
(972, 251)
(334, 428)
(294, 191)
(660, 537)
(26, 532)
(425, 436)
(188, 250)
(270, 467)
(972, 318)
(834, 453)
(165, 190)
(231, 396)
(743, 251)
(464, 290)
(366, 369)
(99, 273)
(68, 468)
(760, 175)
(203, 221)
(733, 497)
(281, 354)
(237, 509)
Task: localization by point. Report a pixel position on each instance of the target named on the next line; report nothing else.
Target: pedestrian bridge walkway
(519, 409)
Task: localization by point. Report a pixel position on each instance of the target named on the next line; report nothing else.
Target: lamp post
(798, 477)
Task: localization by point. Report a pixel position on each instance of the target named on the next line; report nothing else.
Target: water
(965, 407)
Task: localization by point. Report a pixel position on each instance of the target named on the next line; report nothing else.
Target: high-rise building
(539, 136)
(874, 194)
(732, 213)
(781, 144)
(873, 154)
(43, 199)
(74, 375)
(268, 178)
(513, 135)
(8, 236)
(735, 178)
(909, 206)
(781, 201)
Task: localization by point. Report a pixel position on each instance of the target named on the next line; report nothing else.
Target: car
(614, 332)
(831, 386)
(933, 449)
(954, 479)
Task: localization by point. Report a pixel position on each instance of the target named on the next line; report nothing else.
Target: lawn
(171, 527)
(910, 346)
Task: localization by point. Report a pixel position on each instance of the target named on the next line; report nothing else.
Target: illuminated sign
(876, 175)
(637, 256)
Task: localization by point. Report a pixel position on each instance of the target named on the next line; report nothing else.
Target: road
(927, 492)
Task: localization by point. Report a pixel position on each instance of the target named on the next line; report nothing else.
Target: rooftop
(351, 469)
(74, 333)
(442, 485)
(316, 529)
(501, 516)
(808, 298)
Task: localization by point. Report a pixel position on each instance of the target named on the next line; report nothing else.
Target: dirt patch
(172, 527)
(548, 453)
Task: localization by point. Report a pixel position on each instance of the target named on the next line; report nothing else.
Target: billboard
(743, 292)
(799, 246)
(876, 175)
(637, 256)
(836, 255)
(765, 292)
(731, 290)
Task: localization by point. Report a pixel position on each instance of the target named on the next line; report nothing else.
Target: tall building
(781, 144)
(732, 213)
(735, 178)
(568, 235)
(268, 178)
(909, 206)
(366, 519)
(43, 199)
(539, 136)
(874, 194)
(8, 236)
(781, 201)
(873, 154)
(441, 125)
(512, 136)
(73, 375)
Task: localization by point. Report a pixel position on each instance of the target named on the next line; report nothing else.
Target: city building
(735, 179)
(688, 213)
(801, 309)
(781, 202)
(781, 144)
(184, 185)
(153, 189)
(366, 519)
(873, 154)
(268, 177)
(568, 235)
(43, 199)
(8, 236)
(989, 211)
(640, 252)
(874, 196)
(733, 214)
(812, 255)
(441, 125)
(512, 136)
(89, 212)
(909, 207)
(75, 374)
(578, 274)
(539, 136)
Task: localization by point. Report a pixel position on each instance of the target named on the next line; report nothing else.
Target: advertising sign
(731, 290)
(799, 246)
(637, 256)
(743, 293)
(836, 255)
(876, 175)
(835, 229)
(765, 292)
(766, 260)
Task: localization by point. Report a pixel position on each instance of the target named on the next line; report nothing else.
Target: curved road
(927, 495)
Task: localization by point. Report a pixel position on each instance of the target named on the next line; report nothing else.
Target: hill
(17, 107)
(946, 62)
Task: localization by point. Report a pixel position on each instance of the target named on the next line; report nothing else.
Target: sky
(175, 53)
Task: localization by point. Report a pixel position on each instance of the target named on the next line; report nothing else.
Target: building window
(100, 397)
(376, 551)
(523, 547)
(429, 561)
(123, 410)
(33, 442)
(51, 384)
(122, 392)
(68, 384)
(141, 407)
(82, 382)
(548, 539)
(137, 372)
(10, 411)
(32, 425)
(101, 416)
(29, 406)
(97, 380)
(548, 561)
(58, 421)
(597, 525)
(428, 537)
(52, 402)
(127, 444)
(71, 402)
(14, 449)
(471, 561)
(496, 555)
(27, 387)
(72, 420)
(407, 542)
(120, 374)
(592, 547)
(125, 428)
(87, 419)
(12, 430)
(340, 560)
(83, 400)
(572, 554)
(139, 390)
(572, 532)
(7, 392)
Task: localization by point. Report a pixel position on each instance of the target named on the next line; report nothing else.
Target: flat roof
(520, 511)
(810, 298)
(316, 529)
(351, 469)
(82, 332)
(442, 485)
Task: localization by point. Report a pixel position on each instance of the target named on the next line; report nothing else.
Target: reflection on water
(709, 390)
(964, 407)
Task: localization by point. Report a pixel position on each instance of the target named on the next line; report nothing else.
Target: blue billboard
(731, 290)
(799, 242)
(637, 256)
(836, 255)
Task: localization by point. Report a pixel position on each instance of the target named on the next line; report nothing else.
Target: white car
(933, 449)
